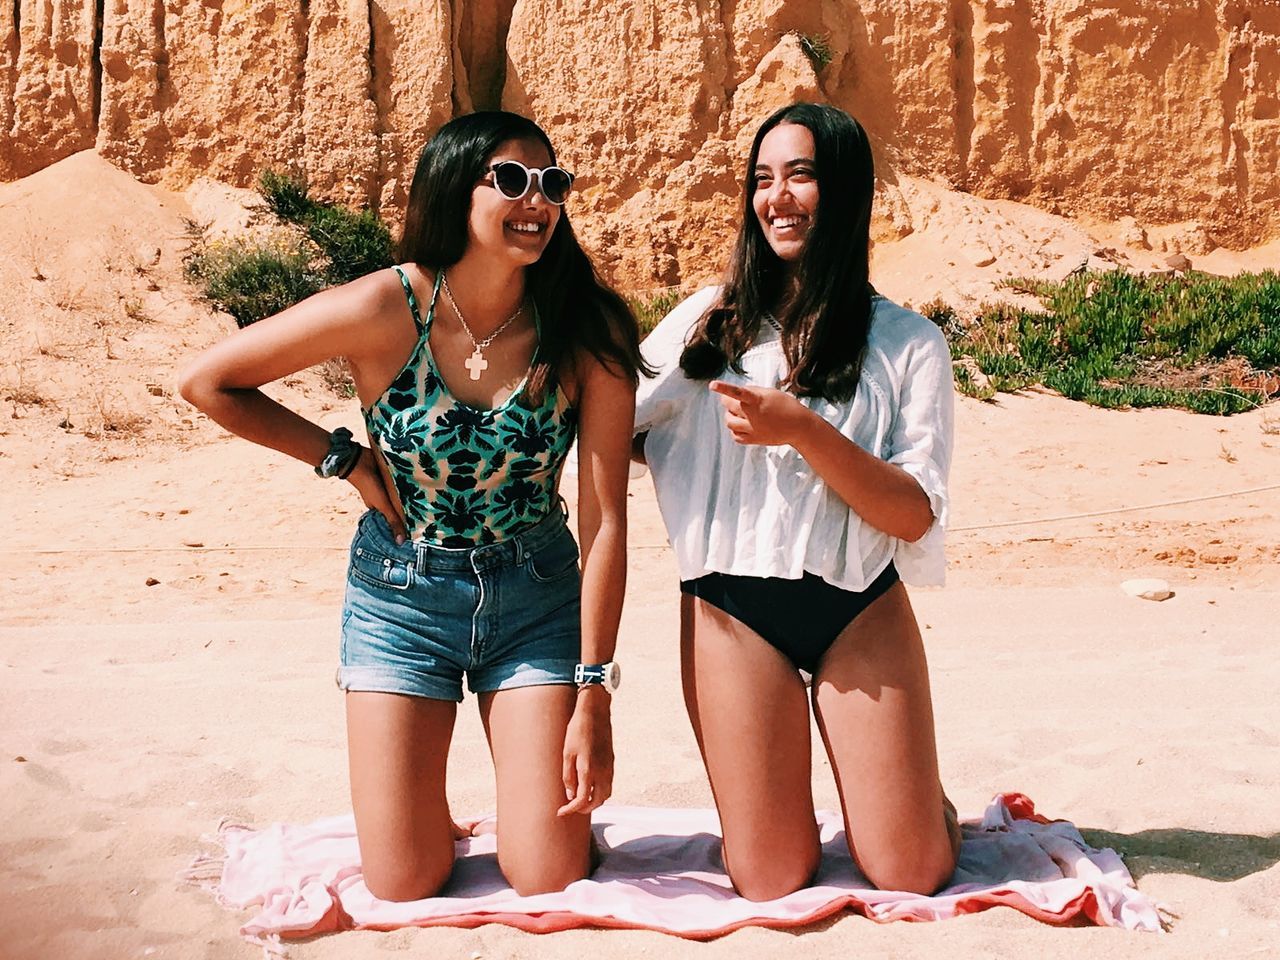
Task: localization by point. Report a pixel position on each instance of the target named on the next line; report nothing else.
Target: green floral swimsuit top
(467, 476)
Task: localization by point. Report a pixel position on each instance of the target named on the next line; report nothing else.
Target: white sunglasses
(513, 180)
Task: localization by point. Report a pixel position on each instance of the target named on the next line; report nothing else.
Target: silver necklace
(476, 364)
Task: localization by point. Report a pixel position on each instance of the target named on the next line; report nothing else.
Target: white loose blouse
(762, 511)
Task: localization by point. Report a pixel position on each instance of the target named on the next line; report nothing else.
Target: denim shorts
(416, 617)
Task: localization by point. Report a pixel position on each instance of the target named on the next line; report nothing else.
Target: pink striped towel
(661, 871)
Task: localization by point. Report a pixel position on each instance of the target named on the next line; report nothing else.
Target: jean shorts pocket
(375, 568)
(557, 559)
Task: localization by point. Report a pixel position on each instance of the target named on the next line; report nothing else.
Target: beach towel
(661, 870)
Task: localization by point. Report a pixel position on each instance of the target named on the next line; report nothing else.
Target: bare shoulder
(592, 381)
(377, 296)
(375, 308)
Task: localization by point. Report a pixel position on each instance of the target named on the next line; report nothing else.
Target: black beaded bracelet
(351, 465)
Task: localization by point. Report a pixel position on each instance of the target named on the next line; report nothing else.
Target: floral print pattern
(467, 476)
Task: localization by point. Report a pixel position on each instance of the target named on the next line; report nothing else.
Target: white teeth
(525, 227)
(786, 221)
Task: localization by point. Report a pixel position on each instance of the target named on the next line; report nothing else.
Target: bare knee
(759, 876)
(769, 886)
(547, 878)
(920, 876)
(401, 882)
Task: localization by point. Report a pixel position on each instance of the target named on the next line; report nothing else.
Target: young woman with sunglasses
(799, 433)
(476, 361)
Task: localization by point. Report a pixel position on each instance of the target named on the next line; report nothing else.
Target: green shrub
(1117, 339)
(352, 242)
(285, 195)
(253, 280)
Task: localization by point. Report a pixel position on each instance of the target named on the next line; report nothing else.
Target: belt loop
(419, 558)
(519, 543)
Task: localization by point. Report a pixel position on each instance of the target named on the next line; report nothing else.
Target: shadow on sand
(1196, 853)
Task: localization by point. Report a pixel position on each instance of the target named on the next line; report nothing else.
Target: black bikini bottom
(802, 618)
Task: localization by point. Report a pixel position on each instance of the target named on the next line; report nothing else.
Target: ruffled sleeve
(920, 442)
(659, 398)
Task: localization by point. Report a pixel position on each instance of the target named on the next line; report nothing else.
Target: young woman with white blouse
(799, 432)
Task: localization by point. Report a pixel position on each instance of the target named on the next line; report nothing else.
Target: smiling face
(514, 229)
(785, 189)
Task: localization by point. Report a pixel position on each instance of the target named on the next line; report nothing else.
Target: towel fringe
(205, 869)
(272, 947)
(1166, 915)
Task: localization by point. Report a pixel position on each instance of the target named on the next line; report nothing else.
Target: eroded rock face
(54, 83)
(195, 89)
(1162, 111)
(8, 78)
(632, 101)
(412, 88)
(340, 160)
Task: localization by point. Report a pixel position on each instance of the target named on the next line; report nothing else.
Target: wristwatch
(608, 675)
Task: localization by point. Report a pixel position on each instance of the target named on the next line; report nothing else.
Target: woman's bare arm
(350, 321)
(606, 407)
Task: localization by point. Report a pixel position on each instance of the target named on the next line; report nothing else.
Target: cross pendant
(476, 364)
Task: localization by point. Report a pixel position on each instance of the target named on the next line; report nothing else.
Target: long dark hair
(577, 311)
(824, 326)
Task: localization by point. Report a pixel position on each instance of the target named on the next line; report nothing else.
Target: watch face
(613, 675)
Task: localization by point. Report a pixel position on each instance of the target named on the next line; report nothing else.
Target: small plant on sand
(22, 393)
(252, 280)
(115, 419)
(651, 308)
(968, 384)
(336, 375)
(134, 309)
(1115, 339)
(945, 318)
(325, 245)
(352, 242)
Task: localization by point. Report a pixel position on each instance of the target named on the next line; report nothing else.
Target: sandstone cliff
(1163, 110)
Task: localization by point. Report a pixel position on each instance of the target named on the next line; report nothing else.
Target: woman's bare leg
(871, 697)
(397, 749)
(538, 851)
(751, 718)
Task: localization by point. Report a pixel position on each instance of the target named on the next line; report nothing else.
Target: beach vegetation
(320, 245)
(352, 242)
(335, 374)
(649, 309)
(1115, 339)
(252, 279)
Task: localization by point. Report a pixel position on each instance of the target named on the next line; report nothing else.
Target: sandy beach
(138, 715)
(169, 615)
